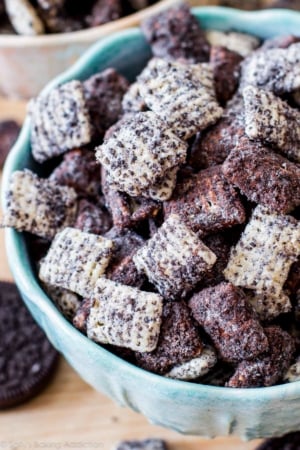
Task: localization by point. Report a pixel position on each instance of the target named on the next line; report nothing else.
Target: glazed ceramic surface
(186, 407)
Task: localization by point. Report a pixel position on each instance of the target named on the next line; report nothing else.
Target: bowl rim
(27, 282)
(84, 35)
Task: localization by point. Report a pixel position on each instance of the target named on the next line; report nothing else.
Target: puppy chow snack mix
(164, 219)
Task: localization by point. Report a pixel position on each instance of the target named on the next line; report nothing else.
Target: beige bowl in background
(27, 63)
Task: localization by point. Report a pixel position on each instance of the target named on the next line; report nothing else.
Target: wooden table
(70, 414)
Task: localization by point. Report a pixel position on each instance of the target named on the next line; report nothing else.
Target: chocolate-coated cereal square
(176, 34)
(212, 146)
(121, 268)
(206, 201)
(79, 170)
(92, 218)
(226, 69)
(230, 322)
(178, 342)
(268, 368)
(263, 176)
(103, 93)
(126, 211)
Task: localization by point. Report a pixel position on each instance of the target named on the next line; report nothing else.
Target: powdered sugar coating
(206, 201)
(38, 205)
(174, 259)
(212, 146)
(103, 93)
(76, 260)
(226, 69)
(231, 323)
(272, 120)
(263, 176)
(182, 95)
(79, 170)
(124, 316)
(262, 258)
(269, 367)
(176, 34)
(139, 153)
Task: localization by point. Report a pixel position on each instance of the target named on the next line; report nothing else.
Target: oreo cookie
(289, 441)
(27, 359)
(147, 444)
(9, 131)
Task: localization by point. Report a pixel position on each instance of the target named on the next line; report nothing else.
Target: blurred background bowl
(28, 63)
(186, 407)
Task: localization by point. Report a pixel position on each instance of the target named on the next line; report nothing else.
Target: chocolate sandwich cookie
(27, 359)
(9, 130)
(289, 441)
(147, 444)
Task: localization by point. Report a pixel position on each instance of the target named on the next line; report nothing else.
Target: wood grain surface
(70, 414)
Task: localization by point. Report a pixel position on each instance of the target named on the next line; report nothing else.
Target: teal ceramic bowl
(188, 408)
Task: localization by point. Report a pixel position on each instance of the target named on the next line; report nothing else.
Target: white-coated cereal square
(139, 153)
(262, 258)
(174, 259)
(272, 120)
(124, 316)
(60, 121)
(37, 205)
(183, 95)
(76, 260)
